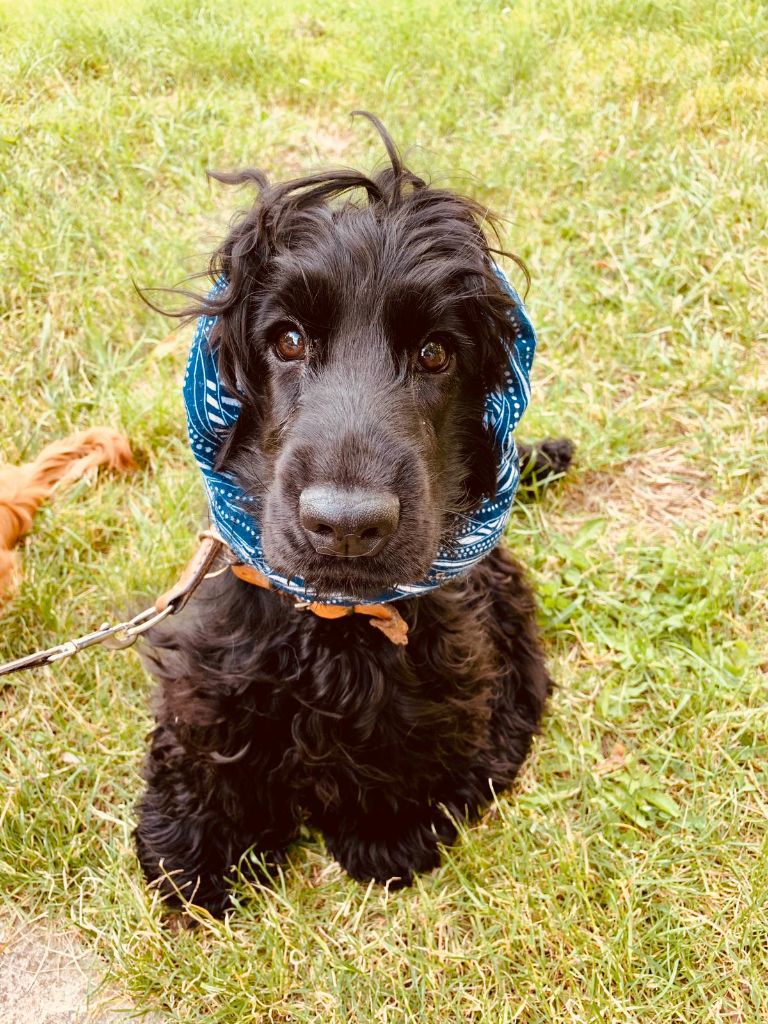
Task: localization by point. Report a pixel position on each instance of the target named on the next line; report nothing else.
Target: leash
(124, 634)
(117, 637)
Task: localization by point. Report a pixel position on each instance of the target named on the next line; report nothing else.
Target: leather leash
(384, 617)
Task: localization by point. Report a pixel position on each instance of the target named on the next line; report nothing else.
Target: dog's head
(362, 327)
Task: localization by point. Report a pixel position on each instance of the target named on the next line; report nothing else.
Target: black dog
(363, 337)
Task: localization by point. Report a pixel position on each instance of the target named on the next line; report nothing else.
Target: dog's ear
(242, 261)
(482, 464)
(493, 312)
(491, 307)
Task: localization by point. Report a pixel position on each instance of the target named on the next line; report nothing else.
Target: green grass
(625, 879)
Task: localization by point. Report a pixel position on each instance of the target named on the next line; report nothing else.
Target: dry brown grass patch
(657, 489)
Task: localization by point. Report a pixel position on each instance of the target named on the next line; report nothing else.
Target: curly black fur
(267, 715)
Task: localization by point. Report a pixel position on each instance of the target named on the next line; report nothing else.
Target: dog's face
(363, 340)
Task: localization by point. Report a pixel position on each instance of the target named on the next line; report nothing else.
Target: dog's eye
(433, 356)
(290, 344)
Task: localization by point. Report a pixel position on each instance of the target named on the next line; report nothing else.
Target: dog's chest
(364, 711)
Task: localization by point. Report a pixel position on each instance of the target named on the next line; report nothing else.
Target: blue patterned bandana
(212, 411)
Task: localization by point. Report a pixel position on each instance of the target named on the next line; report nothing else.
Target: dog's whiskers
(460, 515)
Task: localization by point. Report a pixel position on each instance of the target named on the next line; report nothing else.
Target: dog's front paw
(389, 860)
(388, 864)
(544, 460)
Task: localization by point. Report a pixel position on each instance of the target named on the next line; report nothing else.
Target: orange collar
(384, 617)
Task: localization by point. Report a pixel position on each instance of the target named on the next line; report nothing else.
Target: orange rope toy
(24, 488)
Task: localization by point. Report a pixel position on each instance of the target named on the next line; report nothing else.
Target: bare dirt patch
(659, 489)
(319, 143)
(49, 977)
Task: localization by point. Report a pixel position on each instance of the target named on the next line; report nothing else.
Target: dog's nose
(348, 522)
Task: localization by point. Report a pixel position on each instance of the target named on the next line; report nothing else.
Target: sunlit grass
(625, 878)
